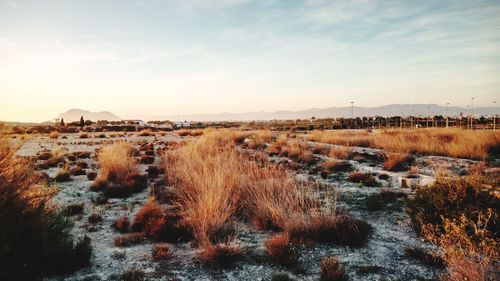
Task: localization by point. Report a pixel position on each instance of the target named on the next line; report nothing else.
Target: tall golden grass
(445, 142)
(216, 185)
(119, 176)
(115, 161)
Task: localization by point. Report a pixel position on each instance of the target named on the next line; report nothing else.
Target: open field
(257, 205)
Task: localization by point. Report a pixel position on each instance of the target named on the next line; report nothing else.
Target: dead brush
(220, 255)
(363, 178)
(145, 133)
(340, 228)
(215, 184)
(398, 162)
(54, 135)
(119, 174)
(279, 249)
(299, 151)
(332, 270)
(259, 139)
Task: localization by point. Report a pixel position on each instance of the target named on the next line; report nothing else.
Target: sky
(168, 57)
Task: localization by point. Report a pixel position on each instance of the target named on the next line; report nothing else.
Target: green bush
(35, 240)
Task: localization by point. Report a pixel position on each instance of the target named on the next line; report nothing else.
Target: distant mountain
(75, 114)
(331, 112)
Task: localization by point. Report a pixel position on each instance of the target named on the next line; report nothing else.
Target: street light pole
(472, 114)
(352, 113)
(494, 118)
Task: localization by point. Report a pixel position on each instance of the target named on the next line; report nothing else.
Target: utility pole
(352, 114)
(472, 114)
(494, 118)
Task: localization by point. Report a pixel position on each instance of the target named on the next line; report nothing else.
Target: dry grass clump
(398, 162)
(122, 225)
(63, 174)
(340, 229)
(215, 185)
(334, 165)
(280, 249)
(299, 151)
(363, 178)
(119, 175)
(320, 149)
(129, 239)
(332, 270)
(192, 133)
(220, 255)
(450, 142)
(83, 135)
(35, 240)
(259, 139)
(54, 135)
(461, 216)
(339, 152)
(133, 274)
(158, 224)
(160, 252)
(146, 133)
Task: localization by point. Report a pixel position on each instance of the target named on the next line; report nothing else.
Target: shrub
(133, 274)
(160, 251)
(145, 133)
(259, 139)
(84, 136)
(95, 218)
(73, 209)
(54, 135)
(213, 181)
(35, 240)
(332, 270)
(129, 239)
(320, 149)
(280, 249)
(63, 174)
(122, 224)
(341, 229)
(451, 197)
(460, 216)
(91, 175)
(160, 225)
(470, 250)
(77, 171)
(398, 162)
(119, 175)
(219, 255)
(333, 165)
(363, 178)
